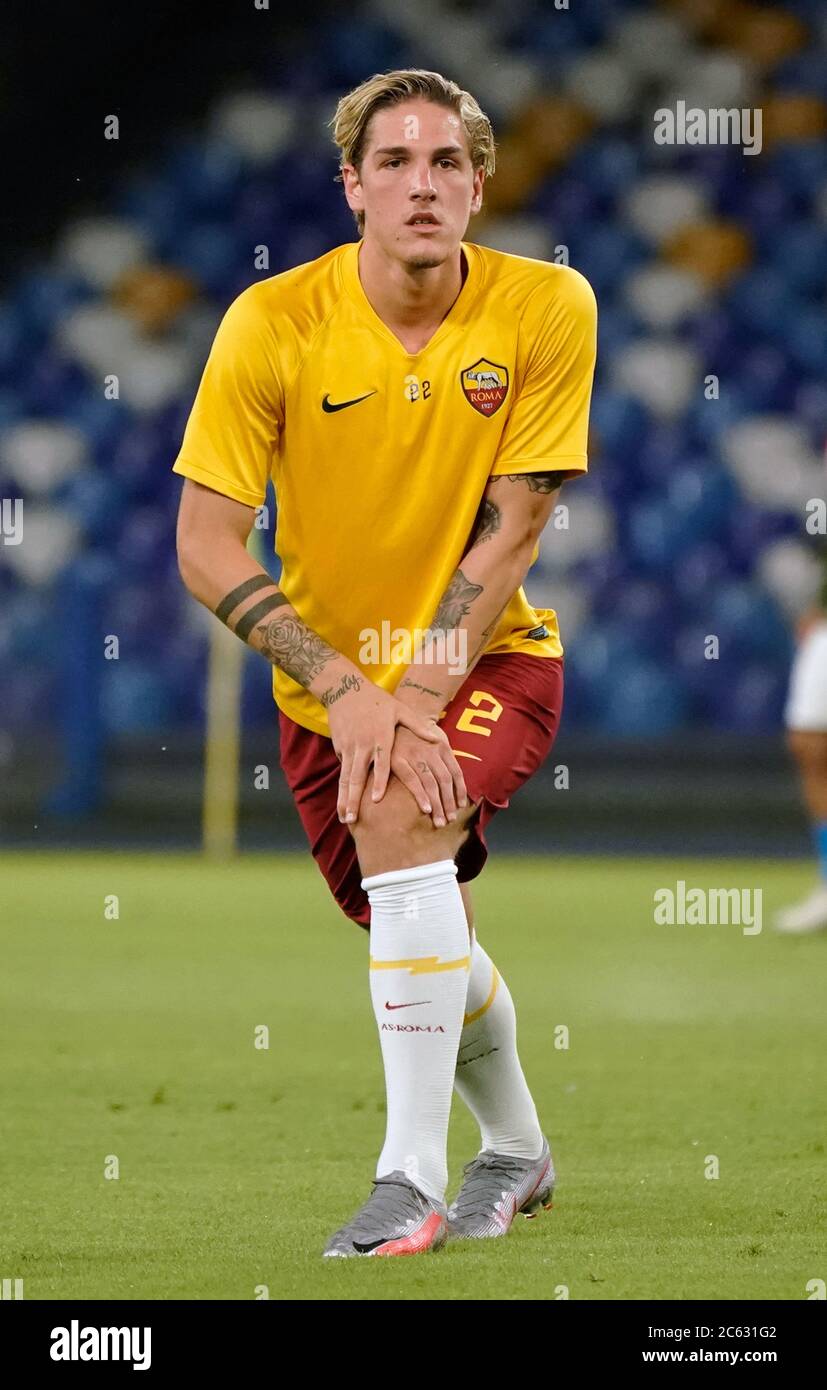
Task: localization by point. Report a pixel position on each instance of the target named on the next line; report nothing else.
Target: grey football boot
(495, 1188)
(397, 1219)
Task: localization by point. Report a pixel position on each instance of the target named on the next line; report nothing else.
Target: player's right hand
(431, 767)
(363, 728)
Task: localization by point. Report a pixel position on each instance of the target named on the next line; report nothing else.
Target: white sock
(419, 957)
(489, 1077)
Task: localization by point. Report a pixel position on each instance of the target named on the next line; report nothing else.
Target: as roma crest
(485, 385)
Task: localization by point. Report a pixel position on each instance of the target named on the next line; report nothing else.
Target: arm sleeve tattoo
(456, 602)
(285, 640)
(488, 522)
(292, 645)
(239, 595)
(538, 482)
(229, 604)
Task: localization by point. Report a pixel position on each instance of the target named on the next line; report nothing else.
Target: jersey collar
(459, 312)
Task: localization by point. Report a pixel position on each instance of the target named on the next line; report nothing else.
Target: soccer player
(418, 401)
(806, 720)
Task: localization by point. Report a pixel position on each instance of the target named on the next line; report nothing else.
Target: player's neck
(409, 302)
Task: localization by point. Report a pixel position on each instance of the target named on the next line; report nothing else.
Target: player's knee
(397, 822)
(397, 813)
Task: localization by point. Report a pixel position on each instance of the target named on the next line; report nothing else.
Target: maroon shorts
(501, 725)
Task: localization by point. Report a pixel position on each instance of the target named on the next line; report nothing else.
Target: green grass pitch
(134, 1038)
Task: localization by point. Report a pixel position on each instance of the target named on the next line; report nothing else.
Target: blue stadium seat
(135, 698)
(644, 700)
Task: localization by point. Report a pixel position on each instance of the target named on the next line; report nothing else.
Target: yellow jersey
(380, 457)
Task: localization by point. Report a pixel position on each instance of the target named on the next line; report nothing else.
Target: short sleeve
(233, 428)
(547, 428)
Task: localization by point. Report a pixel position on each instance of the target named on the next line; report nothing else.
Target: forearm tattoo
(286, 641)
(335, 692)
(456, 602)
(236, 596)
(295, 648)
(254, 615)
(245, 624)
(415, 685)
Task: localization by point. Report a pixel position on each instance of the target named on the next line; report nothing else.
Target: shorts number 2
(466, 722)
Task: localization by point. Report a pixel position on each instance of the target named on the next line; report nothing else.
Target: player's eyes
(389, 163)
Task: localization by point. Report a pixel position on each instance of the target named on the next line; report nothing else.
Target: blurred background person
(806, 720)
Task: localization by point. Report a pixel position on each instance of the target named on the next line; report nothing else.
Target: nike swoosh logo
(330, 409)
(414, 1005)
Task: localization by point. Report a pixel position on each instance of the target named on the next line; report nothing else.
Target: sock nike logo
(414, 1005)
(463, 1061)
(329, 408)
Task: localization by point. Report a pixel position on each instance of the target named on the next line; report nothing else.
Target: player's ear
(353, 187)
(476, 197)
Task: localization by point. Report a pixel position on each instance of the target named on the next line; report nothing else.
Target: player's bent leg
(395, 834)
(513, 1172)
(419, 940)
(809, 748)
(419, 964)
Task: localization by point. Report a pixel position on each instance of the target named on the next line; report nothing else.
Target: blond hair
(354, 111)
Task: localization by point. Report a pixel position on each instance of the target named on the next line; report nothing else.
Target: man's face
(416, 163)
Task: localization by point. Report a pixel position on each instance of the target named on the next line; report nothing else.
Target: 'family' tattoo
(456, 602)
(334, 693)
